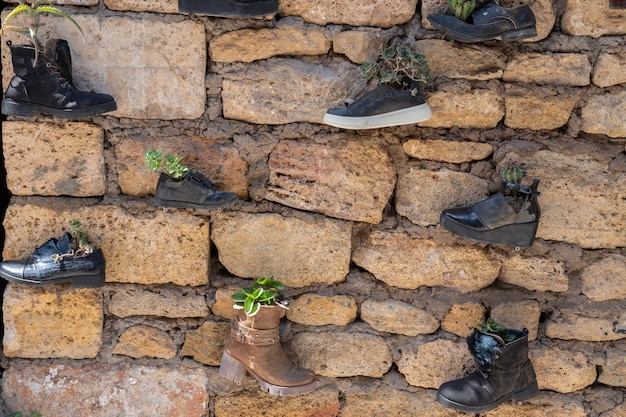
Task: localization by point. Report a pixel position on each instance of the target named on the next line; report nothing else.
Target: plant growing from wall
(263, 292)
(492, 327)
(169, 164)
(513, 175)
(32, 413)
(462, 9)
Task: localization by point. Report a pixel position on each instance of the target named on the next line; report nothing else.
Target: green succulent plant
(263, 292)
(397, 64)
(462, 9)
(32, 413)
(169, 164)
(513, 175)
(493, 327)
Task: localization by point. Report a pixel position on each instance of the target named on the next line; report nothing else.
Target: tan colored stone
(459, 110)
(296, 251)
(593, 18)
(604, 280)
(380, 13)
(170, 302)
(457, 60)
(145, 342)
(343, 354)
(145, 249)
(394, 316)
(320, 310)
(433, 363)
(539, 108)
(535, 274)
(154, 6)
(613, 371)
(52, 160)
(610, 69)
(223, 306)
(618, 411)
(438, 190)
(562, 371)
(55, 322)
(219, 162)
(344, 179)
(586, 205)
(519, 315)
(556, 69)
(603, 114)
(447, 151)
(106, 390)
(570, 325)
(544, 404)
(274, 90)
(358, 46)
(206, 343)
(403, 262)
(463, 318)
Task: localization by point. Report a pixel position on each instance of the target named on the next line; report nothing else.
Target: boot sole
(517, 397)
(83, 280)
(183, 204)
(11, 107)
(234, 370)
(517, 234)
(410, 115)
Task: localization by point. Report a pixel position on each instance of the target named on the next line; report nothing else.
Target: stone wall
(383, 297)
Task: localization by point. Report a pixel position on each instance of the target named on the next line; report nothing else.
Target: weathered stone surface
(320, 310)
(154, 6)
(447, 151)
(562, 371)
(323, 402)
(618, 411)
(535, 274)
(433, 363)
(296, 251)
(586, 205)
(457, 60)
(381, 13)
(51, 160)
(56, 322)
(105, 390)
(394, 316)
(592, 18)
(603, 114)
(538, 108)
(610, 69)
(462, 319)
(613, 371)
(219, 162)
(459, 110)
(604, 280)
(145, 342)
(206, 343)
(247, 45)
(570, 325)
(403, 262)
(519, 315)
(344, 179)
(170, 302)
(223, 306)
(343, 354)
(556, 69)
(142, 249)
(137, 61)
(438, 190)
(274, 90)
(545, 403)
(358, 46)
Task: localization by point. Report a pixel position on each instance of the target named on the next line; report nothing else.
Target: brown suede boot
(254, 346)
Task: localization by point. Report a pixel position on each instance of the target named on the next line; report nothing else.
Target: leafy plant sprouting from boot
(493, 327)
(462, 9)
(263, 292)
(169, 164)
(81, 244)
(398, 65)
(33, 14)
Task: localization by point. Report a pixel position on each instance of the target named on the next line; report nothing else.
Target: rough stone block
(519, 315)
(438, 190)
(145, 342)
(153, 6)
(344, 179)
(319, 310)
(163, 302)
(603, 114)
(610, 69)
(592, 18)
(543, 404)
(296, 251)
(572, 325)
(463, 318)
(555, 69)
(223, 306)
(613, 370)
(206, 343)
(562, 371)
(105, 390)
(53, 160)
(380, 13)
(143, 249)
(539, 108)
(343, 354)
(604, 280)
(394, 316)
(447, 151)
(358, 46)
(55, 322)
(535, 274)
(459, 109)
(403, 262)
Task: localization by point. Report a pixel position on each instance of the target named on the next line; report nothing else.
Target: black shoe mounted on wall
(229, 8)
(191, 191)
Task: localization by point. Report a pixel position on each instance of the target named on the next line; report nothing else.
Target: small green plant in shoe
(493, 327)
(81, 244)
(32, 413)
(462, 9)
(169, 164)
(263, 292)
(398, 65)
(513, 175)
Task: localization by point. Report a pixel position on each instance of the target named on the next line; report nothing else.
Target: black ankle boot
(494, 220)
(191, 191)
(45, 85)
(503, 372)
